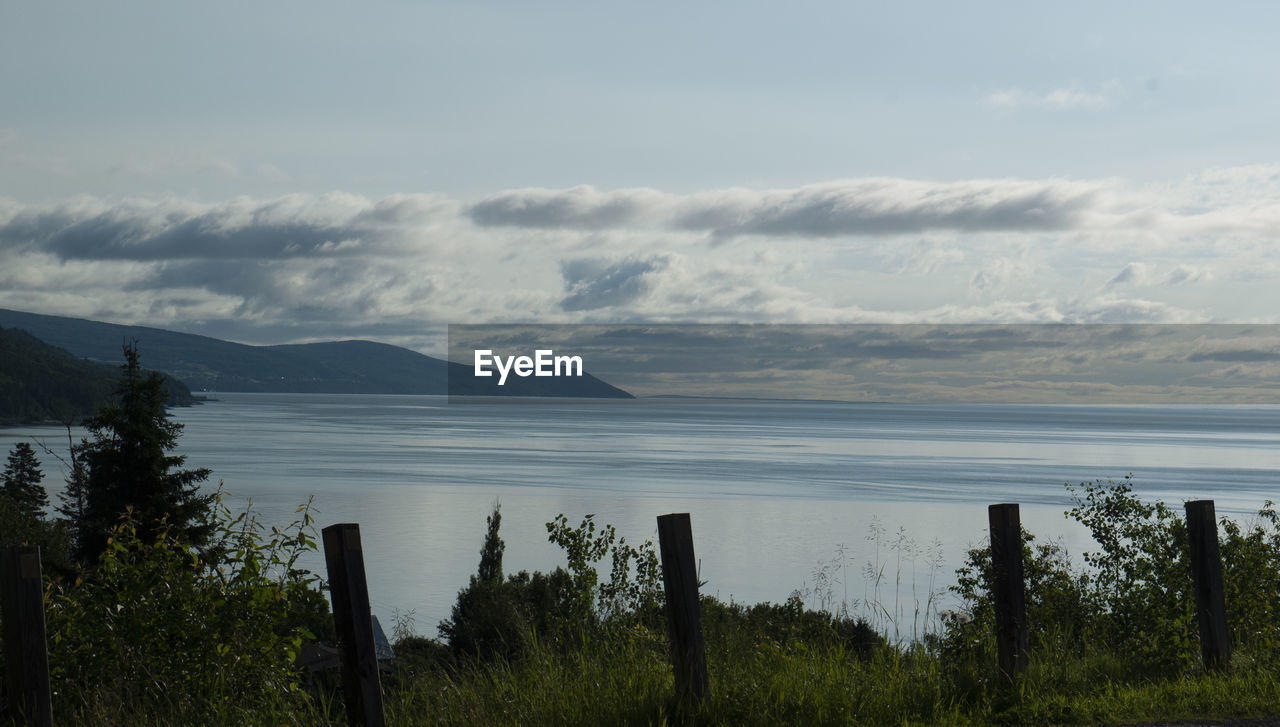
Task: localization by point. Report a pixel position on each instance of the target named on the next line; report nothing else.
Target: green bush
(787, 626)
(161, 628)
(634, 588)
(1134, 595)
(497, 616)
(1251, 580)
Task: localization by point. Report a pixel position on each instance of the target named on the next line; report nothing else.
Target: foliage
(159, 627)
(1142, 572)
(1059, 601)
(128, 466)
(20, 482)
(1251, 581)
(498, 616)
(799, 682)
(40, 382)
(490, 570)
(22, 521)
(634, 586)
(785, 626)
(1134, 594)
(502, 619)
(71, 501)
(54, 537)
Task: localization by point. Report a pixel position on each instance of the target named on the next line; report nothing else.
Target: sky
(298, 171)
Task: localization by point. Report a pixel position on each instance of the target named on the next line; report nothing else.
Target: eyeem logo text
(543, 363)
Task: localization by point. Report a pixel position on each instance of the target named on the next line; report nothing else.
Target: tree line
(125, 465)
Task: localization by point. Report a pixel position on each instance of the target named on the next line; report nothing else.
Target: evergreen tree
(21, 481)
(128, 466)
(71, 499)
(490, 570)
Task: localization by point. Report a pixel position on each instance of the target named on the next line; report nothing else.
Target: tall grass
(574, 648)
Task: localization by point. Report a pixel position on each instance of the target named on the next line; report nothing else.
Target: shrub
(160, 628)
(1251, 580)
(497, 616)
(1134, 597)
(785, 626)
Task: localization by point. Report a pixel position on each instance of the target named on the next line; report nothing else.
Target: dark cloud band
(877, 206)
(290, 227)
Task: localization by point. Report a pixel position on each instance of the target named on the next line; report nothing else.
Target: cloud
(892, 207)
(930, 256)
(1185, 273)
(988, 278)
(875, 206)
(1137, 274)
(306, 267)
(582, 207)
(997, 273)
(292, 226)
(594, 283)
(1239, 201)
(1238, 355)
(1131, 274)
(1067, 98)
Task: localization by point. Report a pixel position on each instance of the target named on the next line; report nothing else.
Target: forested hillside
(40, 382)
(330, 367)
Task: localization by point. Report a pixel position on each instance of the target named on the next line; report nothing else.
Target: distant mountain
(335, 367)
(41, 383)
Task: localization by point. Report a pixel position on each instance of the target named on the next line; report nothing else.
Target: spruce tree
(128, 465)
(490, 570)
(71, 499)
(21, 481)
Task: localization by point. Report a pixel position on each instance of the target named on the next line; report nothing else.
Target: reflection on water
(773, 488)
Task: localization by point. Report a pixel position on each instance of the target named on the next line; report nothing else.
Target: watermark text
(544, 362)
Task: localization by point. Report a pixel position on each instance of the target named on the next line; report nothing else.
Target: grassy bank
(627, 681)
(159, 633)
(630, 684)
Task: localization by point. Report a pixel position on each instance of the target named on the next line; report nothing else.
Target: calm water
(774, 488)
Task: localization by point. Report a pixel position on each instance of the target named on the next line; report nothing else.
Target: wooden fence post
(1009, 589)
(26, 656)
(684, 614)
(361, 689)
(1206, 576)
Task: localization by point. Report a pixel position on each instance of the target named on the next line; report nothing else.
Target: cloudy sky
(290, 171)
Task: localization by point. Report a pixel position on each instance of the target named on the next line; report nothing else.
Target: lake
(776, 490)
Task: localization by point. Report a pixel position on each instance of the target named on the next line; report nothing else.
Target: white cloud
(303, 267)
(1137, 274)
(927, 257)
(1133, 274)
(996, 274)
(1185, 273)
(1066, 98)
(1063, 99)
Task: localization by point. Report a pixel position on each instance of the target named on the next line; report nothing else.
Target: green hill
(41, 383)
(335, 367)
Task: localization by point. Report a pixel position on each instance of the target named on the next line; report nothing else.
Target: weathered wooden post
(684, 615)
(1009, 591)
(1206, 577)
(361, 689)
(26, 656)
